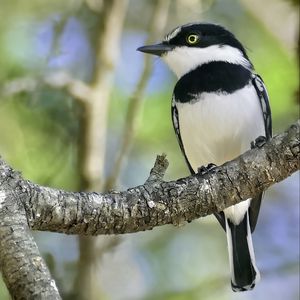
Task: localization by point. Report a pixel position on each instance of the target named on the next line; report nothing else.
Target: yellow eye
(192, 39)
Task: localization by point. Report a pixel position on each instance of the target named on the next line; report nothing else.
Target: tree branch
(24, 271)
(157, 202)
(57, 80)
(24, 204)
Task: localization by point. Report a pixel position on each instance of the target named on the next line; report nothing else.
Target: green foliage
(279, 70)
(3, 290)
(33, 142)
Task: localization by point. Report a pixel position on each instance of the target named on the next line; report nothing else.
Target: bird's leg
(205, 169)
(259, 142)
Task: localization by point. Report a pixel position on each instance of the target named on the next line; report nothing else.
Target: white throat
(183, 59)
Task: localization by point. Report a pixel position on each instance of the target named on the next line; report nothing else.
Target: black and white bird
(219, 107)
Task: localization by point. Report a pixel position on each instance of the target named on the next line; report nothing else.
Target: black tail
(244, 274)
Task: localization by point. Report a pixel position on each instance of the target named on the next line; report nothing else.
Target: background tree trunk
(87, 285)
(92, 140)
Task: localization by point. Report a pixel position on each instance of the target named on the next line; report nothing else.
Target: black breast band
(213, 77)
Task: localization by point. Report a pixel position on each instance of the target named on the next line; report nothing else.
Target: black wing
(175, 119)
(266, 110)
(264, 103)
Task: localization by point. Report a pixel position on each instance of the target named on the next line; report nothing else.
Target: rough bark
(24, 271)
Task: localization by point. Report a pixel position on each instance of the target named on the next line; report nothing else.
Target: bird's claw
(259, 142)
(205, 169)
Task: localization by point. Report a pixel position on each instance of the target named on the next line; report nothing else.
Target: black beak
(157, 49)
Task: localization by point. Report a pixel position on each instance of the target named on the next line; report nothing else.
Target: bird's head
(189, 46)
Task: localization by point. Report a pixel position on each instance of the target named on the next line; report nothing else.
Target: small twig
(76, 88)
(57, 80)
(158, 171)
(19, 85)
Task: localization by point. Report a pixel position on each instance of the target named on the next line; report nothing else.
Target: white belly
(218, 128)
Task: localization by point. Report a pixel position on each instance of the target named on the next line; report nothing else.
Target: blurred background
(81, 109)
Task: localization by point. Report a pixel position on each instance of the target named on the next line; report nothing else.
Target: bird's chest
(218, 127)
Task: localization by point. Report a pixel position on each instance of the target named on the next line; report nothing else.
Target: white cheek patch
(183, 59)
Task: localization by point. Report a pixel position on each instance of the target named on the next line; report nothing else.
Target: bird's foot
(259, 142)
(205, 169)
